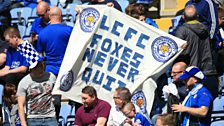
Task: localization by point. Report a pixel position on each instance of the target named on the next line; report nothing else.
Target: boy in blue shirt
(134, 118)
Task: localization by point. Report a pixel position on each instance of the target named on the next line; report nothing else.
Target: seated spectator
(34, 91)
(10, 108)
(94, 111)
(138, 11)
(165, 120)
(3, 46)
(122, 96)
(134, 118)
(15, 63)
(3, 51)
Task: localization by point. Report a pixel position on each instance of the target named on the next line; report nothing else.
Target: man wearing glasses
(43, 13)
(122, 96)
(177, 70)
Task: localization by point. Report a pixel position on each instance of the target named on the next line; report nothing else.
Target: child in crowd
(134, 118)
(166, 120)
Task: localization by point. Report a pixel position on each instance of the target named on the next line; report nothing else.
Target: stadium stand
(123, 4)
(20, 15)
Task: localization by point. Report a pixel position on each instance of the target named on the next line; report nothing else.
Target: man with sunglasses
(41, 22)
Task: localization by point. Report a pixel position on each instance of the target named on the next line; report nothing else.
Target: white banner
(108, 49)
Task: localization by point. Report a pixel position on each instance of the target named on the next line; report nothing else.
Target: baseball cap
(192, 71)
(31, 55)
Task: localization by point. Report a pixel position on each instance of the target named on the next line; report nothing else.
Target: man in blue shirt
(43, 12)
(53, 40)
(195, 109)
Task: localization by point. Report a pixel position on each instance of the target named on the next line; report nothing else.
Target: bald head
(42, 11)
(55, 15)
(55, 11)
(190, 13)
(178, 69)
(42, 5)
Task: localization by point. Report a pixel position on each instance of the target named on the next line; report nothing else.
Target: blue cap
(192, 71)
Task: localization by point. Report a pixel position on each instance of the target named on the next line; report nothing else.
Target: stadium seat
(71, 8)
(61, 121)
(54, 2)
(218, 104)
(20, 15)
(123, 4)
(32, 17)
(22, 30)
(27, 32)
(218, 123)
(69, 23)
(70, 121)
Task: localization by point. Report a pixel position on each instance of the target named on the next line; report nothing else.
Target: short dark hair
(190, 16)
(91, 91)
(167, 119)
(124, 94)
(11, 31)
(135, 10)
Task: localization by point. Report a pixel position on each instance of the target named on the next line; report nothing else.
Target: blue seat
(123, 4)
(70, 121)
(218, 123)
(20, 15)
(32, 17)
(71, 8)
(69, 23)
(54, 2)
(22, 30)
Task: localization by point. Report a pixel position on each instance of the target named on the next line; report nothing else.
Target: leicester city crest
(66, 81)
(88, 19)
(139, 99)
(163, 48)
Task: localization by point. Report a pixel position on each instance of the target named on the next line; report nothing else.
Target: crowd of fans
(29, 68)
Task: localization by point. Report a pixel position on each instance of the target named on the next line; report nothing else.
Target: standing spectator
(138, 11)
(177, 70)
(166, 120)
(175, 91)
(121, 97)
(207, 14)
(94, 111)
(110, 3)
(34, 91)
(197, 37)
(52, 41)
(43, 12)
(195, 109)
(134, 118)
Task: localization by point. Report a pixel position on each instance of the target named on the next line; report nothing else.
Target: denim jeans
(50, 121)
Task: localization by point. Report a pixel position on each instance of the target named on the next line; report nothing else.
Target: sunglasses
(41, 15)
